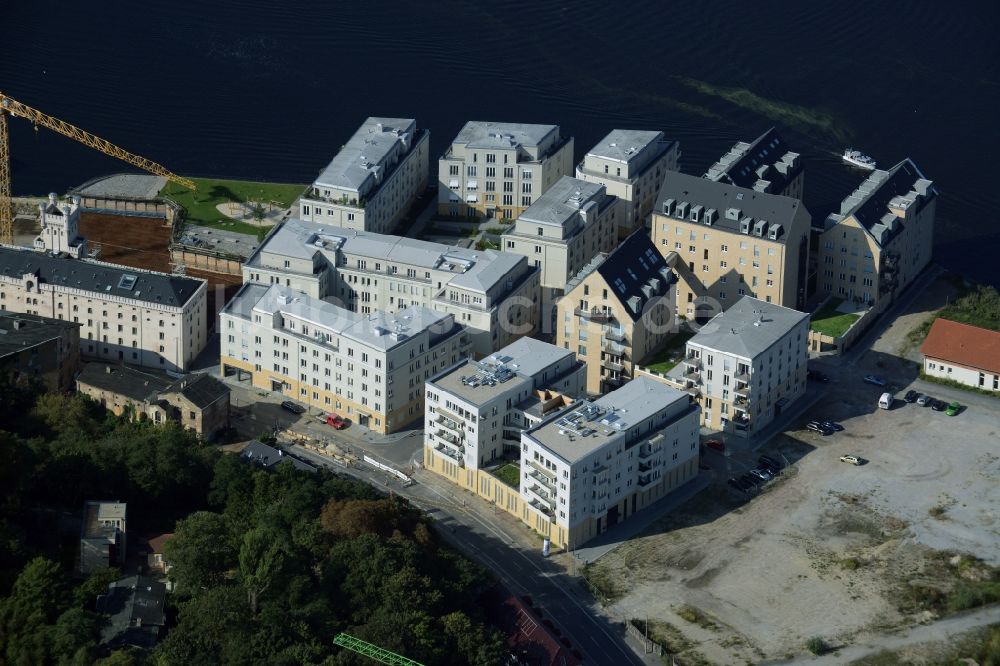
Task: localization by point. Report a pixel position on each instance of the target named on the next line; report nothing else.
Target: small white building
(963, 353)
(745, 365)
(60, 231)
(102, 535)
(631, 165)
(477, 410)
(373, 180)
(597, 463)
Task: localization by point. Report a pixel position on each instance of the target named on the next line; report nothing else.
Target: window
(453, 170)
(581, 350)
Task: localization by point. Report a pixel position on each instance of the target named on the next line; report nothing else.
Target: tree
(261, 560)
(38, 597)
(73, 639)
(201, 552)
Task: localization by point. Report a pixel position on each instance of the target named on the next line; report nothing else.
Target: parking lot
(823, 549)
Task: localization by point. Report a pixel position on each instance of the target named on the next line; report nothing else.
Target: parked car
(773, 462)
(737, 484)
(911, 396)
(953, 408)
(816, 427)
(874, 379)
(854, 460)
(939, 406)
(293, 407)
(771, 469)
(716, 444)
(335, 421)
(886, 400)
(750, 480)
(761, 474)
(925, 400)
(832, 425)
(818, 376)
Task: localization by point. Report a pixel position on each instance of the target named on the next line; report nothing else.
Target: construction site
(126, 218)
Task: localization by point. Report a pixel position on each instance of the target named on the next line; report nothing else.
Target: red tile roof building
(963, 353)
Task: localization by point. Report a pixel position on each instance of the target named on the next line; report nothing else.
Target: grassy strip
(978, 307)
(830, 322)
(669, 356)
(201, 204)
(509, 474)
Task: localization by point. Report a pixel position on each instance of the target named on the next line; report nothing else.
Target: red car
(335, 421)
(716, 444)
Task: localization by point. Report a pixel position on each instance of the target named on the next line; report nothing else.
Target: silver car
(924, 400)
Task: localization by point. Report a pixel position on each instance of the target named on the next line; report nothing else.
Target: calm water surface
(270, 90)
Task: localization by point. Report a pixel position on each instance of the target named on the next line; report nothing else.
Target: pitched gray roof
(201, 389)
(267, 456)
(636, 273)
(765, 165)
(134, 607)
(136, 385)
(18, 331)
(748, 328)
(100, 278)
(728, 206)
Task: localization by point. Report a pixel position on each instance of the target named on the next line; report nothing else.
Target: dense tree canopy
(267, 566)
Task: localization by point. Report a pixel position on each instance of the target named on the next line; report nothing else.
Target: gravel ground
(825, 549)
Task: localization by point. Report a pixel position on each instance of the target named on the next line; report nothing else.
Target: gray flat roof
(365, 152)
(488, 134)
(380, 330)
(525, 358)
(748, 328)
(473, 269)
(609, 423)
(98, 277)
(562, 202)
(219, 240)
(723, 197)
(622, 145)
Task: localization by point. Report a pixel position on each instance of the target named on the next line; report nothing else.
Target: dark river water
(270, 90)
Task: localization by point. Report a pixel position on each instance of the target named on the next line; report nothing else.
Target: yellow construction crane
(13, 108)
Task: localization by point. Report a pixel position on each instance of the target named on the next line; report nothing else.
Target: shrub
(817, 645)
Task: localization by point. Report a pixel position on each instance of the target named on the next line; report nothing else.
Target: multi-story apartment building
(494, 294)
(39, 349)
(370, 368)
(617, 310)
(373, 180)
(125, 314)
(764, 165)
(881, 238)
(500, 169)
(475, 411)
(746, 365)
(597, 463)
(731, 242)
(631, 164)
(563, 230)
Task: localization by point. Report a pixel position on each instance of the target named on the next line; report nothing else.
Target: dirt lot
(830, 549)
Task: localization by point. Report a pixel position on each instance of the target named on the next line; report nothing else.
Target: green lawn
(509, 474)
(669, 356)
(830, 322)
(201, 205)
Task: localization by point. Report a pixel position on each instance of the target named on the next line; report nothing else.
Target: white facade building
(370, 368)
(476, 410)
(102, 535)
(493, 293)
(373, 180)
(125, 314)
(498, 170)
(563, 230)
(597, 463)
(746, 365)
(60, 231)
(631, 164)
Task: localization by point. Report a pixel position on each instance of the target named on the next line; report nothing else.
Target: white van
(885, 402)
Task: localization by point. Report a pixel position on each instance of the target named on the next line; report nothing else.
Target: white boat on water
(858, 159)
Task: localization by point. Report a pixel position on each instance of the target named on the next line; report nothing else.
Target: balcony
(645, 466)
(454, 455)
(450, 424)
(645, 480)
(692, 362)
(542, 507)
(693, 374)
(613, 334)
(743, 391)
(742, 374)
(538, 494)
(741, 423)
(593, 314)
(613, 348)
(541, 478)
(612, 365)
(548, 474)
(448, 437)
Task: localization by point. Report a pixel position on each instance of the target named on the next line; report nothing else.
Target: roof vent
(668, 207)
(733, 214)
